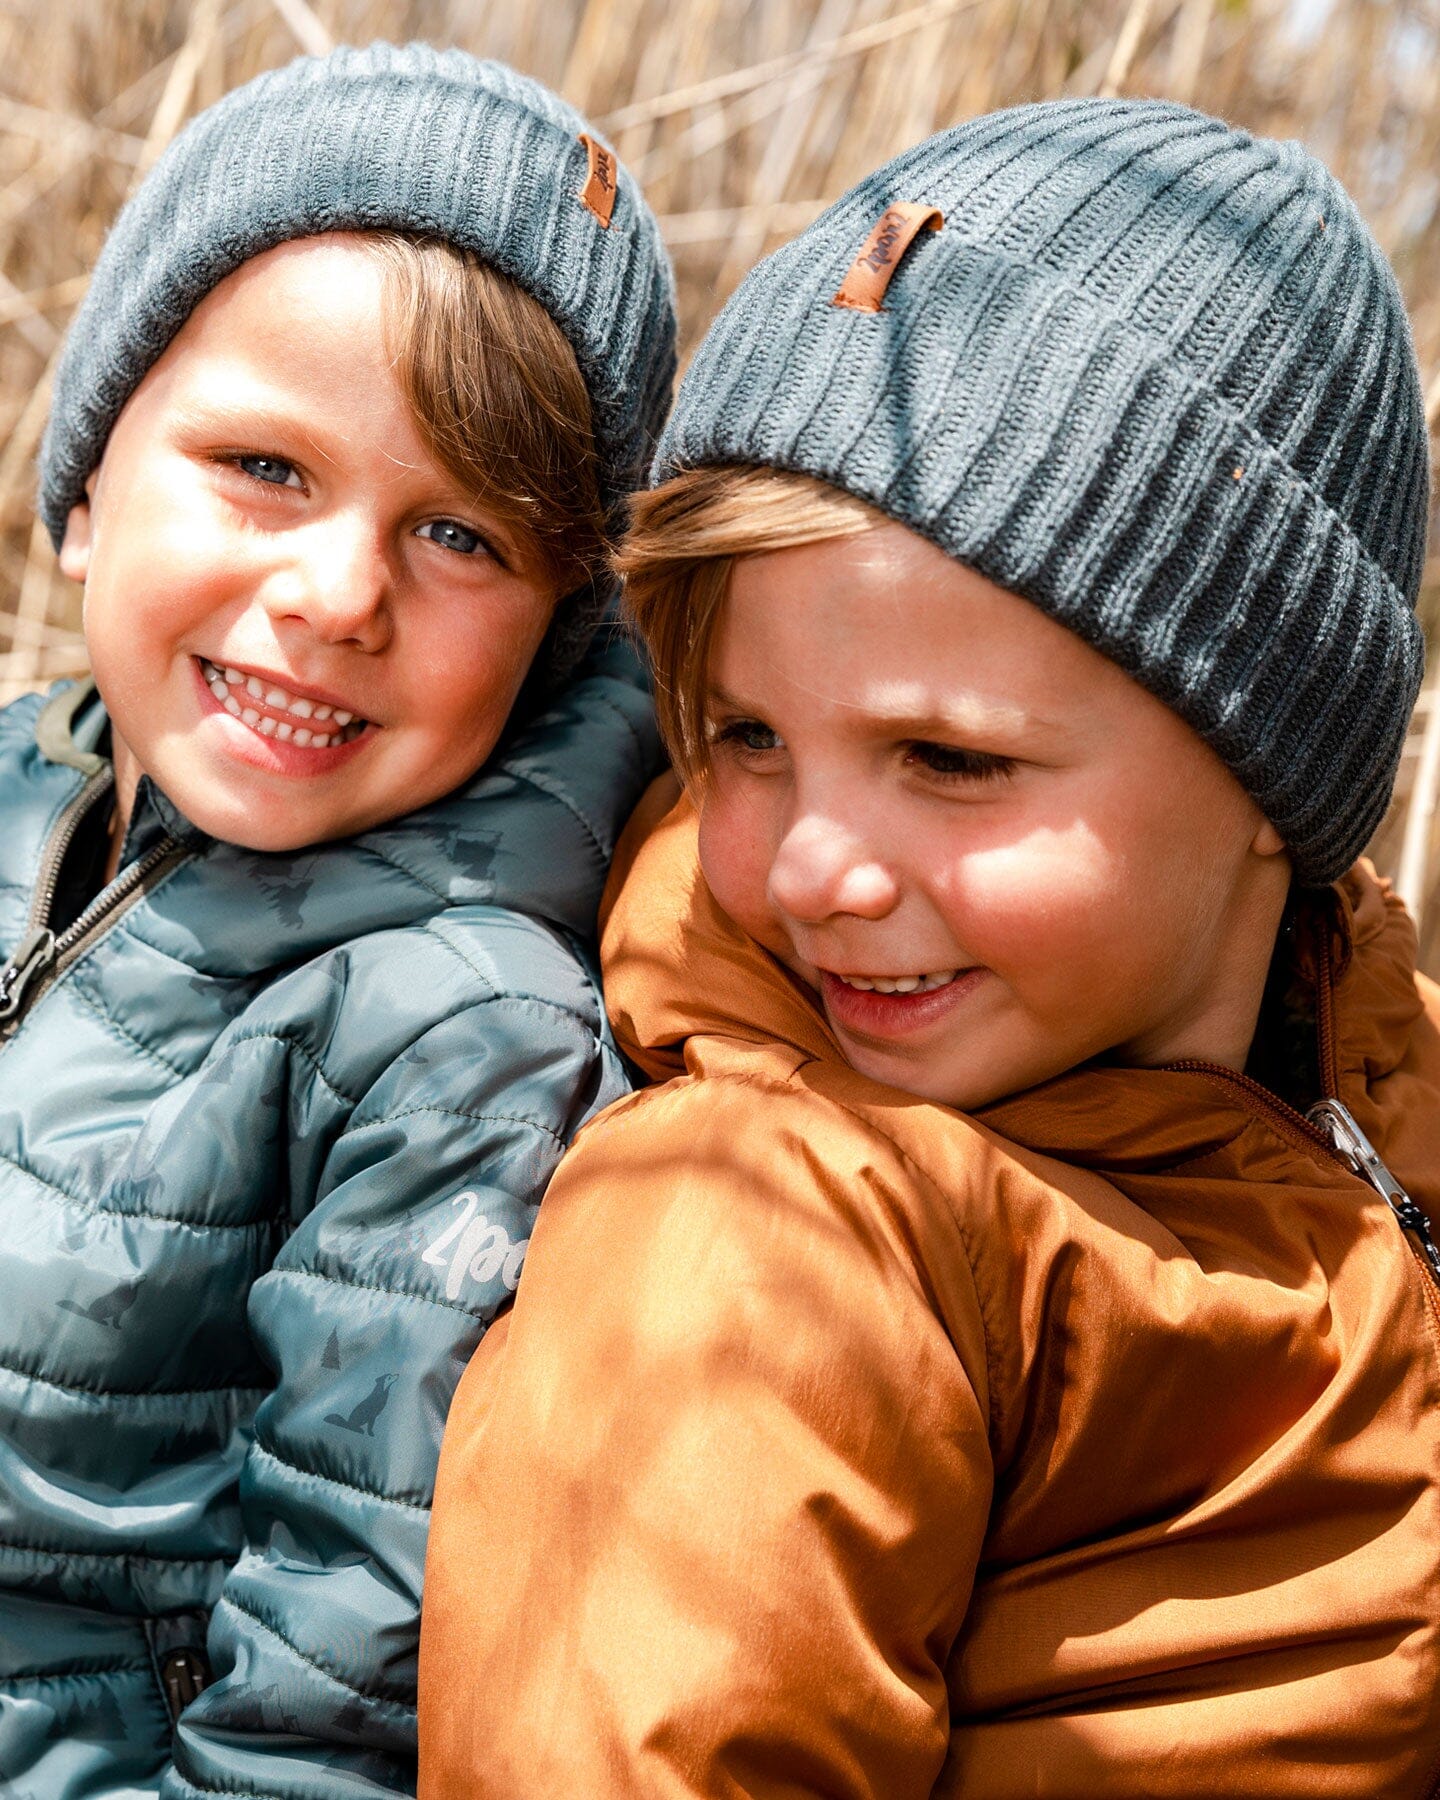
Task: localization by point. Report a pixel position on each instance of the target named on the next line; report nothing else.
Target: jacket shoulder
(483, 953)
(497, 990)
(769, 1144)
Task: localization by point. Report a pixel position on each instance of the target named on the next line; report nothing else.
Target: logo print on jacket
(362, 1420)
(482, 1252)
(109, 1308)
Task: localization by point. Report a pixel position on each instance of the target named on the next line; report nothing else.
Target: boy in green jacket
(297, 1001)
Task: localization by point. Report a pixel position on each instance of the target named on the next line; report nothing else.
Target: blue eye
(273, 470)
(452, 536)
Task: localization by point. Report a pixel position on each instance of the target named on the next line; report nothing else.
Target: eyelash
(964, 765)
(239, 459)
(732, 736)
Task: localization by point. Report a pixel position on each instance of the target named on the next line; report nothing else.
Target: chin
(268, 835)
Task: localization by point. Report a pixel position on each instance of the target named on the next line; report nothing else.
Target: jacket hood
(676, 967)
(678, 970)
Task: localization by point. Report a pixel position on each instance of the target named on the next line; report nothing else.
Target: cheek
(464, 664)
(735, 854)
(1037, 908)
(156, 573)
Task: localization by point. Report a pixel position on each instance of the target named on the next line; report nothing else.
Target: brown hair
(676, 561)
(499, 400)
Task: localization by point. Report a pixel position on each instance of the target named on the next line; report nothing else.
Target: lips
(895, 1006)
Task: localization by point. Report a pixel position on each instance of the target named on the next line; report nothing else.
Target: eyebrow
(929, 722)
(255, 410)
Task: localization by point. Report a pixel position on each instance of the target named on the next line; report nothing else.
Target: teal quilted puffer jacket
(273, 1129)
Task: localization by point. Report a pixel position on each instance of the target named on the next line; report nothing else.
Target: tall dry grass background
(742, 118)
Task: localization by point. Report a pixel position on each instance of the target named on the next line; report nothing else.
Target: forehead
(299, 318)
(885, 623)
(326, 292)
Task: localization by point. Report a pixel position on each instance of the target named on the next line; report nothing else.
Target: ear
(75, 545)
(1267, 841)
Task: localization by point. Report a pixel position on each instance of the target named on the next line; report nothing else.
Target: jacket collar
(532, 831)
(678, 971)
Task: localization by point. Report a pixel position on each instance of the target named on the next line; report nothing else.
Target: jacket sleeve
(710, 1509)
(368, 1316)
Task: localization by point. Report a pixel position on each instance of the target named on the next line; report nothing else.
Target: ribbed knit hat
(1152, 374)
(386, 138)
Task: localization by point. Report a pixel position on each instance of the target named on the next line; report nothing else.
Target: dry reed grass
(741, 121)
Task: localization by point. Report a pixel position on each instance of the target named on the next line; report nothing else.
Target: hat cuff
(1080, 464)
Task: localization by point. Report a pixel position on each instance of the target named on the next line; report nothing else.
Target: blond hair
(676, 561)
(499, 400)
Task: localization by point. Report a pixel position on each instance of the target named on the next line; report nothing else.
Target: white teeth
(900, 984)
(225, 684)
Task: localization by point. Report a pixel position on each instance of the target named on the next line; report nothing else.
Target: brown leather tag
(598, 193)
(896, 229)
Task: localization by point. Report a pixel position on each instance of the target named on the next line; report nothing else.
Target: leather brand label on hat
(598, 194)
(896, 229)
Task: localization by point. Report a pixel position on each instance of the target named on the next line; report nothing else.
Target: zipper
(42, 955)
(52, 859)
(1325, 1015)
(1331, 1124)
(1262, 1101)
(1359, 1155)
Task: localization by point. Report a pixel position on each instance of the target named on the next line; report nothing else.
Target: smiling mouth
(899, 984)
(272, 712)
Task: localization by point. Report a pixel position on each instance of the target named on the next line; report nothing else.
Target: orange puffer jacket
(842, 1445)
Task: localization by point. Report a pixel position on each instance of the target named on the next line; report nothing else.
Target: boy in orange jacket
(1001, 1359)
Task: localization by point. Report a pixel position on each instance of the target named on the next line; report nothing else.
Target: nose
(823, 867)
(337, 580)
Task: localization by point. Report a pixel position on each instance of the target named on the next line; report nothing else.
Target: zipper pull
(33, 956)
(1361, 1156)
(186, 1675)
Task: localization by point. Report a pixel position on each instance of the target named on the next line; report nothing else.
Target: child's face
(919, 779)
(299, 624)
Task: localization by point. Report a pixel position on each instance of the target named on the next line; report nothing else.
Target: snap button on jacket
(840, 1444)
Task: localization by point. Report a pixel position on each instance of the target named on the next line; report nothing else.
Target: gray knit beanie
(1152, 374)
(387, 138)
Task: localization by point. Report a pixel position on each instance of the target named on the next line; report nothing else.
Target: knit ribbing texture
(1154, 375)
(385, 138)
